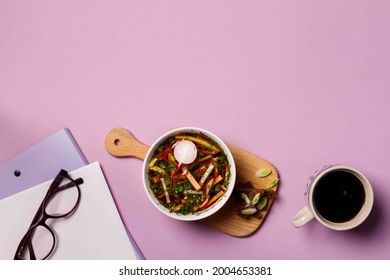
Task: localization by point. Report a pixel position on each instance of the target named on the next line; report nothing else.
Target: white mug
(339, 197)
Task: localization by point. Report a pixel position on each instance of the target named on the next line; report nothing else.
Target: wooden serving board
(120, 142)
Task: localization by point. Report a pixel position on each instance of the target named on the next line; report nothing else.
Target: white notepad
(94, 231)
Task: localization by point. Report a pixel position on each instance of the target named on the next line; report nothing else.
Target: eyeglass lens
(62, 201)
(42, 242)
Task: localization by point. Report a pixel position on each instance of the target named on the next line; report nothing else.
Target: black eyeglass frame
(42, 216)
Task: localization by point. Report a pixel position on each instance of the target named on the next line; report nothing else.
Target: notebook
(40, 163)
(94, 231)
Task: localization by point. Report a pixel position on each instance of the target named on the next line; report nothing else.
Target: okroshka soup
(189, 173)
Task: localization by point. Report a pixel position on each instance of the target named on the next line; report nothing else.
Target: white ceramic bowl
(201, 214)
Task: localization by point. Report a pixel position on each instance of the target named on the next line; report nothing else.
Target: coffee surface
(339, 196)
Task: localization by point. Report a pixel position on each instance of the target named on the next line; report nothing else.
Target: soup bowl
(183, 199)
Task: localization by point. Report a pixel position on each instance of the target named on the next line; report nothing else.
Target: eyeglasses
(61, 200)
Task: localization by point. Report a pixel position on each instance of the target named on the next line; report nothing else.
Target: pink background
(299, 83)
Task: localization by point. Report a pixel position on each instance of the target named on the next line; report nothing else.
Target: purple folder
(40, 163)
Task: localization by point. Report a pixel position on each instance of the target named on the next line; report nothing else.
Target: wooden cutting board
(119, 142)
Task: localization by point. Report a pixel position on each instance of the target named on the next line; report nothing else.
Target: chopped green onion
(245, 198)
(273, 183)
(262, 203)
(256, 199)
(248, 211)
(263, 173)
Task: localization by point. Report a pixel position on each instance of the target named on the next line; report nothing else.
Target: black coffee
(339, 196)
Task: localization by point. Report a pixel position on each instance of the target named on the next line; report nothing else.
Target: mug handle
(302, 217)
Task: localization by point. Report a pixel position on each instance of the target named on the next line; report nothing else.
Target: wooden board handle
(120, 142)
